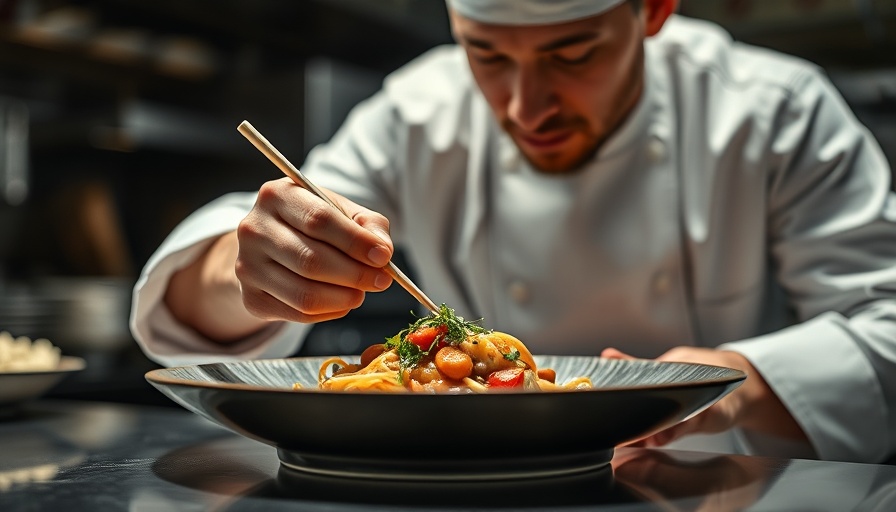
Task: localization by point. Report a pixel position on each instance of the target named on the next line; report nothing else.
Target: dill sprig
(409, 354)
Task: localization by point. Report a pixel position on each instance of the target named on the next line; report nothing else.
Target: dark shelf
(835, 35)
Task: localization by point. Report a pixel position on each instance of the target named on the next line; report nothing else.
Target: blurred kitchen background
(118, 118)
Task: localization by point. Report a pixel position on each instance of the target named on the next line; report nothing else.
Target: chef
(595, 177)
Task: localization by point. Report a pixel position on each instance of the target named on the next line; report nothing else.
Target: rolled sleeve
(824, 378)
(170, 343)
(831, 230)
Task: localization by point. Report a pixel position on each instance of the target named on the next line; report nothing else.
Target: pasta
(442, 353)
(23, 355)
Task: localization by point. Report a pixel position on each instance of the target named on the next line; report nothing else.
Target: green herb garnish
(512, 356)
(409, 354)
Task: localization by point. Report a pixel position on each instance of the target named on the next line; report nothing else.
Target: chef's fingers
(715, 419)
(368, 219)
(659, 439)
(306, 257)
(612, 353)
(311, 215)
(273, 292)
(672, 433)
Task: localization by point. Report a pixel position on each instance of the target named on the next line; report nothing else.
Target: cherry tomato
(425, 336)
(507, 378)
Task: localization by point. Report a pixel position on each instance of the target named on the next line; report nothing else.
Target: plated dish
(443, 353)
(446, 436)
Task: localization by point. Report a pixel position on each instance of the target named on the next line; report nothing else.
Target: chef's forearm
(206, 295)
(833, 374)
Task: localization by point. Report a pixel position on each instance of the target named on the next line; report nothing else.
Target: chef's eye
(488, 57)
(573, 57)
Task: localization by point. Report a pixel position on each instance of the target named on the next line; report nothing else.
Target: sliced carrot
(454, 363)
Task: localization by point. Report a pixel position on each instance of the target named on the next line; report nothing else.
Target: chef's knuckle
(316, 219)
(309, 262)
(242, 269)
(247, 230)
(269, 191)
(378, 219)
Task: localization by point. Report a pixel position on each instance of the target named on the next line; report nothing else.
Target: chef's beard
(595, 134)
(578, 126)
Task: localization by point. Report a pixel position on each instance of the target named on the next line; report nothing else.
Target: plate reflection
(239, 474)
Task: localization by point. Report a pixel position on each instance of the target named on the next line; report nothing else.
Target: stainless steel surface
(268, 149)
(90, 456)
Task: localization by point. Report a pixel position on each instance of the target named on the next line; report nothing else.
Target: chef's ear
(655, 13)
(453, 20)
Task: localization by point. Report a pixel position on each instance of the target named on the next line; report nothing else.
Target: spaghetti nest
(444, 353)
(381, 374)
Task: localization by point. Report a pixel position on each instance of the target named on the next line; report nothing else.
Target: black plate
(446, 437)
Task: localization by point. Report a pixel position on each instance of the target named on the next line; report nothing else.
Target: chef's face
(560, 90)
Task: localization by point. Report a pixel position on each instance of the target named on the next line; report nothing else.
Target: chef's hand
(294, 257)
(752, 406)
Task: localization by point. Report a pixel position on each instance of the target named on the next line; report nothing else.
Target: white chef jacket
(740, 205)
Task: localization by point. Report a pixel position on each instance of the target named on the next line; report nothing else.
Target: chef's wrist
(759, 407)
(206, 296)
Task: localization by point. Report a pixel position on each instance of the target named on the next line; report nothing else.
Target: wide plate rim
(157, 377)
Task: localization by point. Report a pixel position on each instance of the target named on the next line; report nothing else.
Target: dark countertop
(74, 455)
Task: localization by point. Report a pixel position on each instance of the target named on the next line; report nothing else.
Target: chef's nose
(532, 100)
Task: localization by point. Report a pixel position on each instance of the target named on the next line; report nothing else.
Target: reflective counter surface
(70, 456)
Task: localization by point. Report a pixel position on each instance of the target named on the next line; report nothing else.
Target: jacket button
(519, 292)
(656, 150)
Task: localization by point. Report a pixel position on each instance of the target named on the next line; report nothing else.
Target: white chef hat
(529, 12)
